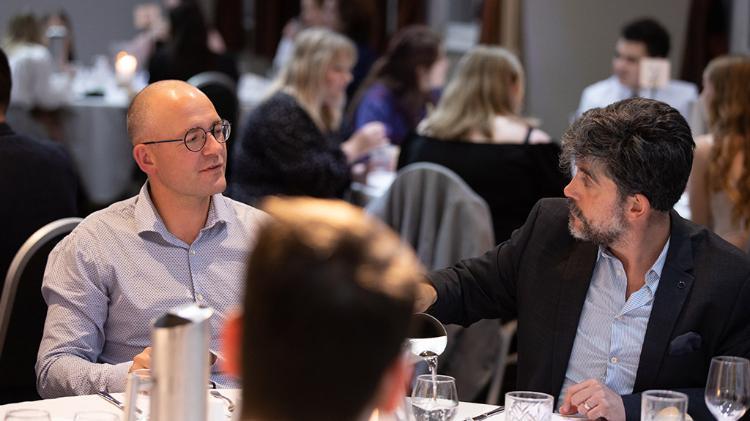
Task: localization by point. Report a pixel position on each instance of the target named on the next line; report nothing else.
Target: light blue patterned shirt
(611, 330)
(121, 268)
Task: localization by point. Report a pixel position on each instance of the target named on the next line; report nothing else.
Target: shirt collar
(148, 219)
(653, 275)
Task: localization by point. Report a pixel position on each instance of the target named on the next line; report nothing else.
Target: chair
(23, 310)
(222, 91)
(504, 359)
(445, 221)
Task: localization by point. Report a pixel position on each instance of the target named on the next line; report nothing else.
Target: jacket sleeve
(483, 287)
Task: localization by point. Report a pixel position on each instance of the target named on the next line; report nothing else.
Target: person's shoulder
(33, 151)
(87, 237)
(601, 86)
(278, 101)
(684, 88)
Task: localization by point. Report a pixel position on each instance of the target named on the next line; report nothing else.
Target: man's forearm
(67, 375)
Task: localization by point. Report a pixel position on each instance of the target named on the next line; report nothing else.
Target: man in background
(329, 295)
(639, 39)
(37, 181)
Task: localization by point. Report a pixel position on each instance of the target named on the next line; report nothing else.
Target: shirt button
(199, 297)
(613, 360)
(192, 252)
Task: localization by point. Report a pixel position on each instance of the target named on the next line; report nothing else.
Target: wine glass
(728, 387)
(434, 398)
(27, 415)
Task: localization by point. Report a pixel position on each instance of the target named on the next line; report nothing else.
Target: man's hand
(594, 400)
(142, 360)
(426, 296)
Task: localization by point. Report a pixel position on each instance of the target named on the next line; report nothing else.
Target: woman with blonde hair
(720, 182)
(290, 145)
(477, 131)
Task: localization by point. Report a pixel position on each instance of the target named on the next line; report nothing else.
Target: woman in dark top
(187, 53)
(477, 132)
(290, 145)
(401, 83)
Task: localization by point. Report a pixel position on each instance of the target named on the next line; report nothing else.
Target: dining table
(64, 409)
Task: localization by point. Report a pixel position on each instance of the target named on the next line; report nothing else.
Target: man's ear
(393, 385)
(637, 206)
(231, 345)
(144, 157)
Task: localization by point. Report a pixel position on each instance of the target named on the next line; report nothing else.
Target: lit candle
(125, 66)
(374, 416)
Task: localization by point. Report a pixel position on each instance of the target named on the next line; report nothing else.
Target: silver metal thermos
(180, 364)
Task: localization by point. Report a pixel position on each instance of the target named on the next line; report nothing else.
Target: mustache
(574, 209)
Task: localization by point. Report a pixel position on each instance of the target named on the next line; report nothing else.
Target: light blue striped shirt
(611, 330)
(121, 268)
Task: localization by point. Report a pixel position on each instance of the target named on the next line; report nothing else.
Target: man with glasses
(179, 241)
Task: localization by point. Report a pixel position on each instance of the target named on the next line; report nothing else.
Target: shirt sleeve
(67, 363)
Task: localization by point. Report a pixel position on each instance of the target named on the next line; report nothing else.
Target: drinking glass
(728, 387)
(95, 416)
(138, 395)
(663, 405)
(27, 415)
(528, 406)
(434, 398)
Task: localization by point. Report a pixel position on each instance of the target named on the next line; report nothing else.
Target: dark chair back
(222, 91)
(23, 310)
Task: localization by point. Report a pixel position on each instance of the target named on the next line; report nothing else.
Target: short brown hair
(329, 295)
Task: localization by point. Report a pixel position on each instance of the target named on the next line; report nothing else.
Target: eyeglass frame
(205, 135)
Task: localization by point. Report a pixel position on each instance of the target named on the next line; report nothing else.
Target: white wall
(568, 44)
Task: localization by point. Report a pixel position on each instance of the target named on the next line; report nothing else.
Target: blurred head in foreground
(329, 295)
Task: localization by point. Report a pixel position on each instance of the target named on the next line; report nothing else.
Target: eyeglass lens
(195, 138)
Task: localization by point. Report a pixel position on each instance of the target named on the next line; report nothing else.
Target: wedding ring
(586, 406)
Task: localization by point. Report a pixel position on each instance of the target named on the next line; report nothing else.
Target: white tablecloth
(63, 409)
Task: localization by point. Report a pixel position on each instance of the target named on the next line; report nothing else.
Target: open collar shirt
(121, 268)
(610, 332)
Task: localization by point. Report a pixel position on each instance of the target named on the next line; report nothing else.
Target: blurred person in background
(187, 51)
(478, 132)
(313, 13)
(38, 89)
(352, 18)
(401, 83)
(37, 181)
(720, 182)
(639, 39)
(58, 28)
(329, 294)
(291, 144)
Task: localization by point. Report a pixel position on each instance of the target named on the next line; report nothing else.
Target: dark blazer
(37, 184)
(542, 274)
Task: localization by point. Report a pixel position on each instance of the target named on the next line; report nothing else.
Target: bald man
(179, 241)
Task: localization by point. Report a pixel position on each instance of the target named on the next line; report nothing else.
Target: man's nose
(212, 144)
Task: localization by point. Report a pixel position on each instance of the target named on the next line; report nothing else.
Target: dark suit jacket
(542, 274)
(37, 186)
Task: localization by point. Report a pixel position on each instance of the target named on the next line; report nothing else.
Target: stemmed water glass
(728, 387)
(434, 398)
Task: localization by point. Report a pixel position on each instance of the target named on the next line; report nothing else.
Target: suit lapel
(575, 284)
(674, 287)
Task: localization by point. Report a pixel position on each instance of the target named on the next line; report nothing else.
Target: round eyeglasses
(195, 138)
